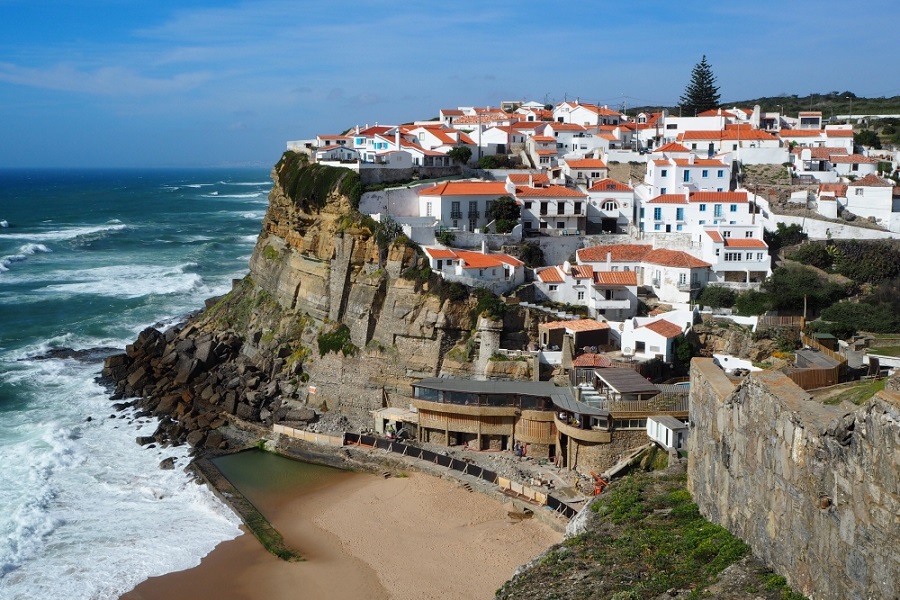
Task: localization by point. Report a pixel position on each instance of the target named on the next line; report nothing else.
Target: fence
(810, 379)
(308, 436)
(776, 321)
(466, 468)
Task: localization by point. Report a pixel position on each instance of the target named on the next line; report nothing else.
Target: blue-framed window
(679, 214)
(657, 213)
(733, 208)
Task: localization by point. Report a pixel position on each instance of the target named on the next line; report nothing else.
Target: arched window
(610, 205)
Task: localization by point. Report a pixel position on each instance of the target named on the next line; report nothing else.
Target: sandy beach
(368, 537)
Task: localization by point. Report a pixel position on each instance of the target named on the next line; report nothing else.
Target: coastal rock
(167, 464)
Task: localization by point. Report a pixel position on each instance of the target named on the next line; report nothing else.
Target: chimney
(609, 260)
(357, 130)
(397, 138)
(484, 248)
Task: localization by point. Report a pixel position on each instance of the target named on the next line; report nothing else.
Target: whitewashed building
(492, 270)
(611, 205)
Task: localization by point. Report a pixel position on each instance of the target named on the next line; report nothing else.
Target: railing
(456, 214)
(777, 321)
(462, 466)
(474, 214)
(661, 403)
(688, 287)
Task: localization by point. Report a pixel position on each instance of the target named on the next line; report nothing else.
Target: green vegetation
(270, 253)
(651, 539)
(498, 161)
(716, 296)
(784, 235)
(886, 350)
(336, 340)
(858, 392)
(505, 212)
(489, 304)
(701, 93)
(309, 185)
(531, 254)
(460, 154)
(445, 237)
(235, 309)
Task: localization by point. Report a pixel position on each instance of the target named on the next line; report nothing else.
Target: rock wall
(813, 489)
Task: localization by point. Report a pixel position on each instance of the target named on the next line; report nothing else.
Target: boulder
(196, 438)
(167, 464)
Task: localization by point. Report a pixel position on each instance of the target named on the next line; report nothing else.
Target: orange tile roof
(551, 191)
(730, 197)
(543, 138)
(871, 180)
(609, 185)
(671, 147)
(744, 243)
(466, 188)
(615, 278)
(819, 152)
(439, 252)
(591, 360)
(477, 260)
(550, 275)
(618, 253)
(854, 158)
(669, 199)
(576, 325)
(839, 189)
(567, 127)
(546, 152)
(801, 133)
(699, 162)
(582, 271)
(586, 163)
(715, 235)
(525, 178)
(674, 258)
(839, 133)
(715, 112)
(664, 328)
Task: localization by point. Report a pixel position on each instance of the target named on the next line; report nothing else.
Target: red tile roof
(724, 197)
(466, 188)
(671, 147)
(526, 178)
(819, 152)
(669, 199)
(615, 278)
(473, 260)
(609, 185)
(871, 180)
(618, 252)
(550, 275)
(854, 158)
(550, 191)
(586, 163)
(577, 325)
(439, 252)
(582, 271)
(839, 189)
(699, 162)
(544, 138)
(744, 243)
(839, 133)
(801, 133)
(715, 235)
(591, 360)
(674, 258)
(664, 328)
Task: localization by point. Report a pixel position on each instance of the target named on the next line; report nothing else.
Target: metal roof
(626, 381)
(669, 422)
(569, 404)
(528, 388)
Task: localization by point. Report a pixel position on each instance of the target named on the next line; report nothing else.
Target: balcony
(474, 214)
(612, 304)
(456, 214)
(688, 287)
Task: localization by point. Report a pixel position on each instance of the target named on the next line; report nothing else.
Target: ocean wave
(72, 233)
(127, 281)
(218, 195)
(268, 183)
(250, 215)
(24, 252)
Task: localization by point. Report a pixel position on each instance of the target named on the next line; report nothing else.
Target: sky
(195, 83)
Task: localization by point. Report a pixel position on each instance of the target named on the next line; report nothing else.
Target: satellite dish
(627, 351)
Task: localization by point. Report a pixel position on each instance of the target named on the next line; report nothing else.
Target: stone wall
(813, 489)
(599, 457)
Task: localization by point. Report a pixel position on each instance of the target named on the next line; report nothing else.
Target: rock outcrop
(325, 320)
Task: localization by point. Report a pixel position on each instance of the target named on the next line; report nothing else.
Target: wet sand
(364, 536)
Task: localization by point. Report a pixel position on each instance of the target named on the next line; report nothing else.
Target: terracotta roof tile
(576, 325)
(854, 158)
(615, 278)
(466, 188)
(582, 271)
(526, 178)
(591, 360)
(586, 163)
(801, 133)
(477, 260)
(550, 275)
(715, 235)
(671, 147)
(724, 197)
(618, 252)
(871, 180)
(835, 133)
(669, 199)
(674, 258)
(744, 243)
(664, 328)
(610, 185)
(839, 189)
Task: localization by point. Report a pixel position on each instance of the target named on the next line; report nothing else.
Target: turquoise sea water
(87, 260)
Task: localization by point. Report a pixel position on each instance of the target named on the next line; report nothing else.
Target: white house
(611, 205)
(460, 205)
(585, 114)
(667, 431)
(675, 175)
(336, 154)
(500, 140)
(688, 212)
(495, 271)
(542, 150)
(584, 171)
(552, 209)
(875, 197)
(738, 256)
(612, 295)
(615, 257)
(856, 165)
(649, 338)
(675, 276)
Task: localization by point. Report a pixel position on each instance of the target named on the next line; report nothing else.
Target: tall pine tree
(702, 93)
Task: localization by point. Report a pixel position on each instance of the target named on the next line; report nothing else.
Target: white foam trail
(267, 183)
(66, 234)
(126, 281)
(218, 195)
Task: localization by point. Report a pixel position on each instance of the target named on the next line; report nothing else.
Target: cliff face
(324, 320)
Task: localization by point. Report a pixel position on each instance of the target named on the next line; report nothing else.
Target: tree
(867, 137)
(505, 212)
(701, 93)
(460, 154)
(716, 296)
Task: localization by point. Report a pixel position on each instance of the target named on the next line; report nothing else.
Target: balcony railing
(688, 287)
(474, 214)
(456, 214)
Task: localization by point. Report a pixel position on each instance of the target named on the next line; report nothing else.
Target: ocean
(88, 259)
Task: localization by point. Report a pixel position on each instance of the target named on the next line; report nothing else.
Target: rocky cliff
(336, 314)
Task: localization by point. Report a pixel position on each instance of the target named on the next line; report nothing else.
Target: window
(528, 205)
(733, 208)
(734, 146)
(726, 234)
(610, 205)
(717, 210)
(595, 173)
(662, 190)
(732, 256)
(748, 234)
(656, 227)
(687, 176)
(616, 268)
(679, 227)
(560, 225)
(664, 173)
(858, 191)
(693, 146)
(749, 256)
(553, 287)
(560, 208)
(487, 207)
(671, 125)
(428, 209)
(702, 221)
(702, 208)
(657, 213)
(682, 278)
(679, 214)
(704, 173)
(581, 295)
(759, 256)
(720, 173)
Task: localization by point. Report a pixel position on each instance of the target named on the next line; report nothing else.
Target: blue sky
(125, 83)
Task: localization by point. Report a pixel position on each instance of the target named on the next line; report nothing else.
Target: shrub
(752, 302)
(815, 255)
(489, 304)
(532, 255)
(445, 237)
(336, 340)
(716, 296)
